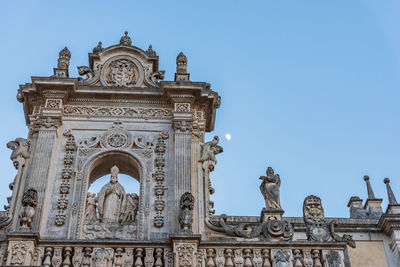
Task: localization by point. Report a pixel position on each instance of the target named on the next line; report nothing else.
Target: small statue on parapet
(269, 188)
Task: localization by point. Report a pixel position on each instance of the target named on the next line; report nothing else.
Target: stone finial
(150, 52)
(125, 40)
(391, 197)
(98, 48)
(371, 194)
(63, 63)
(181, 68)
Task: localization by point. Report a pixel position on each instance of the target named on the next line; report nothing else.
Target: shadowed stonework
(120, 117)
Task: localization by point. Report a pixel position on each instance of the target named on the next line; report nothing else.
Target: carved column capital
(183, 126)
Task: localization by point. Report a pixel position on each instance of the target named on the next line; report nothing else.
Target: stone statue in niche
(132, 206)
(90, 213)
(112, 199)
(112, 214)
(270, 189)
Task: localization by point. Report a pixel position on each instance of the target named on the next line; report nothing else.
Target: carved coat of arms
(121, 73)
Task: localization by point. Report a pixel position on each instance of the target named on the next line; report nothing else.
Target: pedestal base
(271, 214)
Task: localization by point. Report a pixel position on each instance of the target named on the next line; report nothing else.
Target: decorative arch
(100, 164)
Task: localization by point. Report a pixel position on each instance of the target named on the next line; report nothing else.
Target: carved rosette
(69, 157)
(159, 175)
(116, 138)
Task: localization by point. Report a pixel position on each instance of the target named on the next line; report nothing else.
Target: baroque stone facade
(120, 117)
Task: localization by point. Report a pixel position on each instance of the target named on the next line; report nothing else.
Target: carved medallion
(121, 72)
(116, 137)
(117, 140)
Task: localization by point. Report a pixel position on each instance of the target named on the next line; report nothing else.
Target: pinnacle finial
(150, 52)
(63, 63)
(98, 48)
(391, 197)
(181, 68)
(371, 194)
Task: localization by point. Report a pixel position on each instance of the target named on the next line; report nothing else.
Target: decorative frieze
(159, 175)
(106, 111)
(67, 173)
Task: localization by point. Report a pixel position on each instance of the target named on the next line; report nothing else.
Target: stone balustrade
(203, 254)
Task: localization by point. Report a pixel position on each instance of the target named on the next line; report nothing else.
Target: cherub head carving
(312, 207)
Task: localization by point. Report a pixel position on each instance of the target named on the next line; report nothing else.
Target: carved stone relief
(318, 228)
(185, 254)
(129, 112)
(53, 103)
(66, 176)
(186, 214)
(29, 203)
(159, 175)
(20, 253)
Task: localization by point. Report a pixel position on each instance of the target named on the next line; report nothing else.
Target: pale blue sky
(310, 88)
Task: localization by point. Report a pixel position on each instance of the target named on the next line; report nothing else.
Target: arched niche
(100, 165)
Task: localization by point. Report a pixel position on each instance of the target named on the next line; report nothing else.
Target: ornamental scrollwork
(129, 112)
(273, 230)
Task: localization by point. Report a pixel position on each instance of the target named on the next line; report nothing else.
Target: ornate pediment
(121, 65)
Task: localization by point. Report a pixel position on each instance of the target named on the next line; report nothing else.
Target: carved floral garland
(159, 175)
(67, 172)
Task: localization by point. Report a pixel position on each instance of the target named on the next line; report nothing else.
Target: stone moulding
(106, 111)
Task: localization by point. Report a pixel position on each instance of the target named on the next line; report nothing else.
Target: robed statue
(112, 199)
(270, 189)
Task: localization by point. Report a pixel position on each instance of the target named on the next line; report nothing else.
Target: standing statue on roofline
(270, 189)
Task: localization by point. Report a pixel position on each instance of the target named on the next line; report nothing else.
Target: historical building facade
(121, 117)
